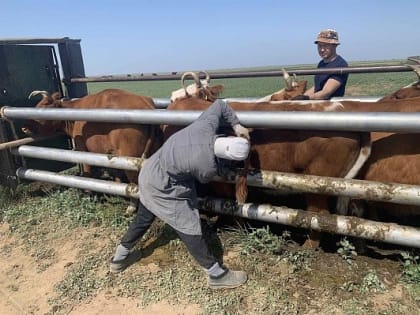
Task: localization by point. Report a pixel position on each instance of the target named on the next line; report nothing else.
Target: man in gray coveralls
(167, 188)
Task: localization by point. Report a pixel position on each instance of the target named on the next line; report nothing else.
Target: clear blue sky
(133, 36)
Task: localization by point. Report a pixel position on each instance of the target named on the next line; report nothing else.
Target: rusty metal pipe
(18, 142)
(336, 224)
(351, 226)
(284, 182)
(354, 188)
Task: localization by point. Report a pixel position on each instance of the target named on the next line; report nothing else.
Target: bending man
(167, 188)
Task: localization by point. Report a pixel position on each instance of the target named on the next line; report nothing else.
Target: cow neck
(67, 123)
(68, 126)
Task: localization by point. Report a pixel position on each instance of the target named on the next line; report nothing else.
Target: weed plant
(346, 250)
(411, 268)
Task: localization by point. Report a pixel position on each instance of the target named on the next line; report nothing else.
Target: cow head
(44, 127)
(410, 91)
(293, 88)
(199, 89)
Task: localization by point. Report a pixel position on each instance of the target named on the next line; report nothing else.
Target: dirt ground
(24, 290)
(328, 287)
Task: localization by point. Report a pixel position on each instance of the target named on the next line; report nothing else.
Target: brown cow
(201, 88)
(410, 91)
(292, 88)
(395, 158)
(121, 139)
(385, 164)
(336, 154)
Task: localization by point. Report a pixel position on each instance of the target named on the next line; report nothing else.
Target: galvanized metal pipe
(176, 75)
(105, 160)
(103, 186)
(351, 226)
(286, 182)
(344, 225)
(15, 143)
(392, 122)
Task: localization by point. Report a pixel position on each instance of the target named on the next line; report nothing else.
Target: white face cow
(192, 89)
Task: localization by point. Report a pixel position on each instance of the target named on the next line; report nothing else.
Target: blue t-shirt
(321, 79)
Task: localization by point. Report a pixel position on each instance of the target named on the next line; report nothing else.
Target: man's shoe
(230, 279)
(117, 266)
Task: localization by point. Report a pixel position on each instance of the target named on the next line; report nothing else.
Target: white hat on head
(231, 148)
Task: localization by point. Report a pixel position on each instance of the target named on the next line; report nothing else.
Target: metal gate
(24, 68)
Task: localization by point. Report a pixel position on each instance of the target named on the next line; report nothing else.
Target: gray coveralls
(167, 181)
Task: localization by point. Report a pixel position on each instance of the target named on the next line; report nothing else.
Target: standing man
(167, 188)
(327, 86)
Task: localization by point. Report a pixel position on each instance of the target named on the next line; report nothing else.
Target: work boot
(117, 266)
(230, 279)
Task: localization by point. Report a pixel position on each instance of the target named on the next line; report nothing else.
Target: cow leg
(319, 205)
(357, 208)
(133, 202)
(132, 207)
(223, 190)
(79, 145)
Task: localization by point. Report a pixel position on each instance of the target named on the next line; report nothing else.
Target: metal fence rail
(238, 74)
(344, 225)
(333, 121)
(285, 182)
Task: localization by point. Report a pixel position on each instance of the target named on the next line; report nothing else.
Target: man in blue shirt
(327, 86)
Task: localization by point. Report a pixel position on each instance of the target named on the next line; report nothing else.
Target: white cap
(231, 148)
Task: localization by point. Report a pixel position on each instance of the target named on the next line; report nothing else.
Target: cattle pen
(75, 82)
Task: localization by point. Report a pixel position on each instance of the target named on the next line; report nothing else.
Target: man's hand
(241, 131)
(301, 97)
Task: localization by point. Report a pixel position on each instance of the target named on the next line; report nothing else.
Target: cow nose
(26, 130)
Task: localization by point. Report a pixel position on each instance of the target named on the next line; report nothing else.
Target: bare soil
(326, 284)
(26, 290)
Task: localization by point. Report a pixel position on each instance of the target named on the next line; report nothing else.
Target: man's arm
(329, 88)
(220, 109)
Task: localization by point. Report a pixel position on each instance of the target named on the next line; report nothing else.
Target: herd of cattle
(374, 156)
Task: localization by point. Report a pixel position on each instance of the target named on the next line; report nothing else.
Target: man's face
(326, 51)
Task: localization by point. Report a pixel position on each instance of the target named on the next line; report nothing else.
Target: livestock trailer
(33, 64)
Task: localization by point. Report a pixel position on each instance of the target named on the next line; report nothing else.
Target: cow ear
(217, 89)
(55, 96)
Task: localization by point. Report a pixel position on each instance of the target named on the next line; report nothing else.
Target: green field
(366, 84)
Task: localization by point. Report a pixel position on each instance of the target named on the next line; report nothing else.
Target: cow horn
(207, 79)
(37, 92)
(193, 75)
(287, 79)
(294, 81)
